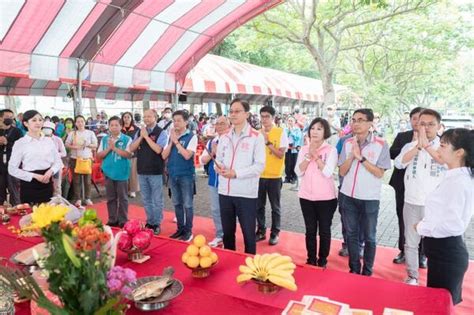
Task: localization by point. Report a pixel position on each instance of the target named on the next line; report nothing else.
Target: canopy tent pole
(78, 95)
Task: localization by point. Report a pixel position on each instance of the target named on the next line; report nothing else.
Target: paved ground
(292, 219)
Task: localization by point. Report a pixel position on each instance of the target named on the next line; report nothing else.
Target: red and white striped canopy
(123, 45)
(215, 76)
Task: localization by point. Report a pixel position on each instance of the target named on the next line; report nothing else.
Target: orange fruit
(205, 262)
(199, 240)
(214, 257)
(192, 262)
(192, 250)
(205, 251)
(185, 257)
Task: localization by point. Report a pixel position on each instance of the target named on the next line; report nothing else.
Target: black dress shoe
(176, 234)
(273, 240)
(113, 224)
(322, 263)
(400, 259)
(260, 236)
(311, 262)
(423, 262)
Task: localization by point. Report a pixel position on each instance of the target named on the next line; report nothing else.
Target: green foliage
(82, 289)
(394, 55)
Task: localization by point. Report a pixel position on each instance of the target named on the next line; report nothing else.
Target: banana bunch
(273, 267)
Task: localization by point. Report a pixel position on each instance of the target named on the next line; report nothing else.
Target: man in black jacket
(396, 181)
(8, 135)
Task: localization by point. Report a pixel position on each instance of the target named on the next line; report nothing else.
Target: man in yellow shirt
(270, 182)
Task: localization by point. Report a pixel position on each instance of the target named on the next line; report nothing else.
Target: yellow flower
(45, 214)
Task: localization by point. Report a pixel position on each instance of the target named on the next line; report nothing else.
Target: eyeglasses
(265, 116)
(236, 111)
(358, 121)
(430, 125)
(221, 123)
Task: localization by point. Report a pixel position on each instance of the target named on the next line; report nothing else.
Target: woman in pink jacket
(315, 166)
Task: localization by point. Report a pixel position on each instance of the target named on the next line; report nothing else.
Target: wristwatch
(362, 160)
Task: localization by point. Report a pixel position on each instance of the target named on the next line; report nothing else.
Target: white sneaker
(78, 203)
(133, 194)
(89, 202)
(215, 242)
(411, 281)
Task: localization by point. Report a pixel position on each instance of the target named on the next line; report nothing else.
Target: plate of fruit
(199, 257)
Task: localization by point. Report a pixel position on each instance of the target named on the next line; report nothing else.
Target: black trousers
(35, 192)
(244, 209)
(318, 214)
(290, 163)
(12, 184)
(448, 261)
(272, 188)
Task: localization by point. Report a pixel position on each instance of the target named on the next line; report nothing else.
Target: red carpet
(293, 244)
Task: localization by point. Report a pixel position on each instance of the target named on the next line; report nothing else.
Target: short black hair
(117, 118)
(168, 108)
(268, 109)
(69, 119)
(55, 119)
(431, 112)
(324, 123)
(416, 110)
(369, 113)
(245, 104)
(6, 110)
(182, 113)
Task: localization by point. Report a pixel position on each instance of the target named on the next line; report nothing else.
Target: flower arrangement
(79, 267)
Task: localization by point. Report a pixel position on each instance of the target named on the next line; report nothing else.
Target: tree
(417, 61)
(322, 28)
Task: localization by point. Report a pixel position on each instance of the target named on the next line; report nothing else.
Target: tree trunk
(93, 107)
(328, 89)
(219, 109)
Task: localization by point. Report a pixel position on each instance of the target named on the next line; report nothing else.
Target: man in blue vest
(114, 149)
(180, 152)
(149, 143)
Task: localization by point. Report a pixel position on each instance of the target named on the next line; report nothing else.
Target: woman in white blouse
(81, 143)
(39, 161)
(448, 211)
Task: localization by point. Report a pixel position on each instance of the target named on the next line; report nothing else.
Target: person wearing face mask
(315, 165)
(8, 135)
(166, 122)
(68, 128)
(39, 160)
(48, 131)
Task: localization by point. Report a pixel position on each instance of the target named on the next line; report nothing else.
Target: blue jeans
(361, 215)
(340, 198)
(182, 193)
(216, 211)
(152, 195)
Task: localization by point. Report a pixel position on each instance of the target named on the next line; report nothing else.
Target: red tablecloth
(220, 294)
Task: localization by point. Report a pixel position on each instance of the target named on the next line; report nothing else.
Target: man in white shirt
(424, 171)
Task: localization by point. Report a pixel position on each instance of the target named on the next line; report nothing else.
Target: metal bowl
(157, 303)
(29, 267)
(200, 272)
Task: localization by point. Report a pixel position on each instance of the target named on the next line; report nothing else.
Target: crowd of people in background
(332, 162)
